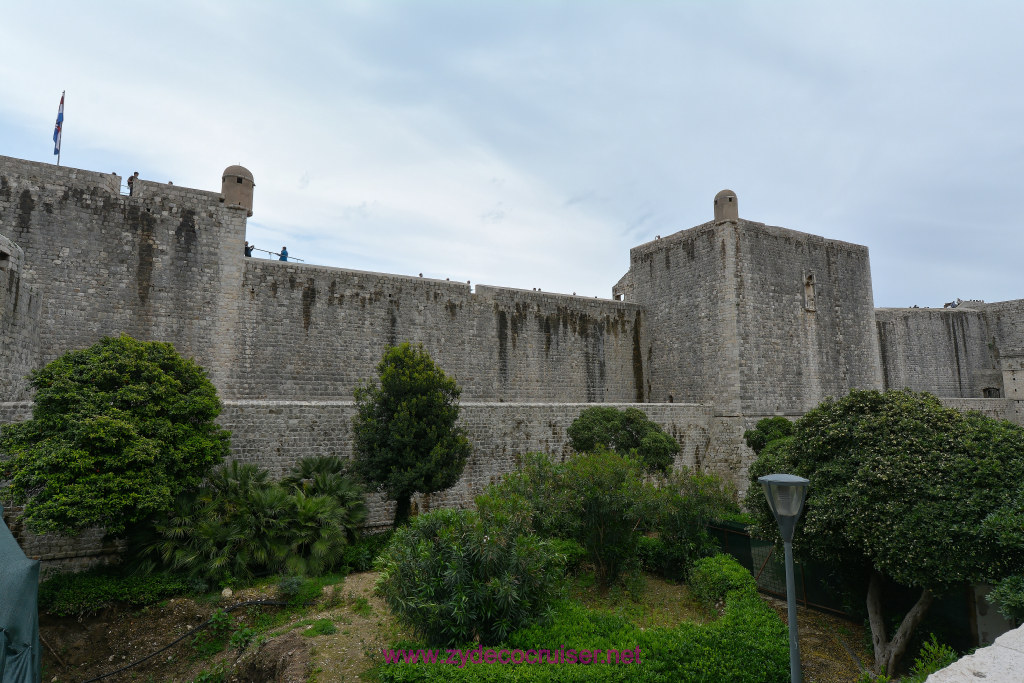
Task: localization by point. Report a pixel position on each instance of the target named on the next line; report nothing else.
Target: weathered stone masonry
(711, 328)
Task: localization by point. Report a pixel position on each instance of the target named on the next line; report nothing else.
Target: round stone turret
(236, 186)
(726, 206)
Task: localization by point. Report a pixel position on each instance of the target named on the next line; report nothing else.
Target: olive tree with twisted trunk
(900, 489)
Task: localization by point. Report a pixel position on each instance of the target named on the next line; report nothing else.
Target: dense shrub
(611, 502)
(542, 483)
(767, 430)
(748, 644)
(117, 431)
(91, 591)
(240, 524)
(713, 578)
(626, 432)
(452, 577)
(601, 501)
(359, 555)
(679, 514)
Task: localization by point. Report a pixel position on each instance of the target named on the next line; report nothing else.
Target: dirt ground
(301, 646)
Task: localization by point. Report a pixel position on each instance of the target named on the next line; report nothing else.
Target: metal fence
(760, 558)
(952, 615)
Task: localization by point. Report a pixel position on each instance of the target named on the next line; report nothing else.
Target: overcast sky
(531, 144)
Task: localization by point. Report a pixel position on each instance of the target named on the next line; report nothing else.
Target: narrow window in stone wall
(809, 292)
(5, 258)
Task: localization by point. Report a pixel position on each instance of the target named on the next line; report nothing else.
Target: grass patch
(320, 627)
(646, 601)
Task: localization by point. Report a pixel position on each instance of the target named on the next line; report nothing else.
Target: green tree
(767, 430)
(406, 440)
(901, 488)
(117, 431)
(627, 432)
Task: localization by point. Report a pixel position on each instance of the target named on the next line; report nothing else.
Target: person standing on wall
(284, 253)
(249, 248)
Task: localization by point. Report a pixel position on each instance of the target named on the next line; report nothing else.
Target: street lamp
(785, 494)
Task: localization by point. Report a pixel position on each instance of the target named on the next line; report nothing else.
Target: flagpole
(61, 126)
(58, 130)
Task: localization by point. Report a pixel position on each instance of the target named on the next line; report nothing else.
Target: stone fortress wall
(711, 329)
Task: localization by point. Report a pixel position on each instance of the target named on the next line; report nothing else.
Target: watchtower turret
(236, 186)
(726, 206)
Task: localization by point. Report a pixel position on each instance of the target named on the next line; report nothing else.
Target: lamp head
(785, 494)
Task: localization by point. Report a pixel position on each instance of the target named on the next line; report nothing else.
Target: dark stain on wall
(14, 282)
(273, 288)
(591, 379)
(392, 326)
(5, 189)
(687, 246)
(142, 225)
(26, 205)
(883, 350)
(546, 326)
(185, 233)
(638, 360)
(452, 308)
(332, 294)
(502, 346)
(308, 299)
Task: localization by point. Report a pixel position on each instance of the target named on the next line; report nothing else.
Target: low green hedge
(91, 591)
(748, 644)
(712, 578)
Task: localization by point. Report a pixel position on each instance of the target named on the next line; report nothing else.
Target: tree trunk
(889, 652)
(402, 511)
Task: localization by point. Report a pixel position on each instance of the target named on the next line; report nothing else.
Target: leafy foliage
(611, 501)
(601, 501)
(626, 432)
(405, 437)
(748, 644)
(117, 431)
(679, 513)
(1008, 596)
(899, 484)
(933, 657)
(240, 524)
(91, 591)
(767, 430)
(900, 487)
(713, 578)
(453, 577)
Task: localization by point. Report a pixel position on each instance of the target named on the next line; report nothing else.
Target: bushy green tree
(627, 432)
(117, 431)
(406, 440)
(767, 430)
(454, 576)
(611, 501)
(901, 488)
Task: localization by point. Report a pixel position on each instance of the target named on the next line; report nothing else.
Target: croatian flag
(58, 125)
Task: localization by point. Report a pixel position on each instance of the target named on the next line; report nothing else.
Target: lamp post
(785, 494)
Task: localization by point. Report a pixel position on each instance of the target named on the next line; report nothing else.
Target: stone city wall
(163, 264)
(312, 332)
(19, 324)
(805, 319)
(948, 352)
